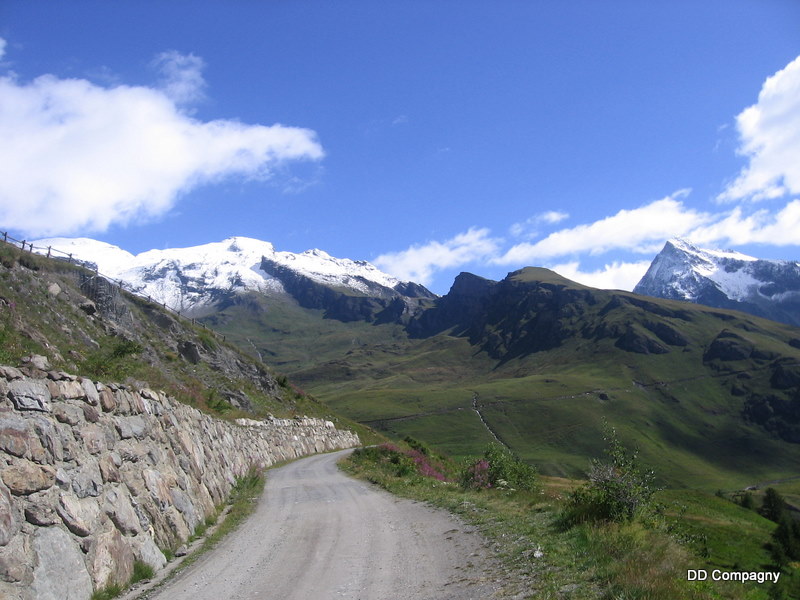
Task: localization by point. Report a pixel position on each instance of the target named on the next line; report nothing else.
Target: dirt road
(318, 535)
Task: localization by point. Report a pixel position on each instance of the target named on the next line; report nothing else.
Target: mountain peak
(189, 279)
(724, 279)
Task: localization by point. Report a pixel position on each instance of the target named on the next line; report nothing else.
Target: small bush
(499, 468)
(116, 361)
(618, 489)
(108, 592)
(141, 572)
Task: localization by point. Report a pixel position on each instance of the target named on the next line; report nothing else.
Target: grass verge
(543, 557)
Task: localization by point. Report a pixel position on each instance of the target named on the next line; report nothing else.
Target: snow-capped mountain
(725, 279)
(191, 280)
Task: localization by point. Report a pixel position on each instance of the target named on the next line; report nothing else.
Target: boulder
(60, 573)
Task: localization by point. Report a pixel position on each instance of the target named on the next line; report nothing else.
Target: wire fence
(69, 257)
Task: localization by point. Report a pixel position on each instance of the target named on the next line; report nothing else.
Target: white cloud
(761, 227)
(769, 133)
(182, 76)
(614, 276)
(641, 229)
(419, 263)
(77, 157)
(2, 48)
(527, 227)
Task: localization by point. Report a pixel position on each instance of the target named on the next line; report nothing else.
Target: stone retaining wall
(94, 477)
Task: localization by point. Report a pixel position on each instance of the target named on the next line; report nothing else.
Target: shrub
(774, 506)
(618, 489)
(141, 572)
(501, 468)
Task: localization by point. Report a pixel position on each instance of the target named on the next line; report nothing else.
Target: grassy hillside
(708, 395)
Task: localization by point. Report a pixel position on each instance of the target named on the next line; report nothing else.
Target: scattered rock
(37, 361)
(89, 307)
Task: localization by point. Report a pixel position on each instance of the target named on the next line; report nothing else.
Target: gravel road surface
(318, 534)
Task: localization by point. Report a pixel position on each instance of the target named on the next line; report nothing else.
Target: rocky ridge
(94, 476)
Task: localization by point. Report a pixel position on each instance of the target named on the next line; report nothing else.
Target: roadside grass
(645, 558)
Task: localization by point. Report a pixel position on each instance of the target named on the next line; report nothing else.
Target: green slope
(544, 361)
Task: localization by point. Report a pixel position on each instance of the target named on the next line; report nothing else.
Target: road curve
(318, 534)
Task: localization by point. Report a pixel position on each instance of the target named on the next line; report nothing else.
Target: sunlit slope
(707, 394)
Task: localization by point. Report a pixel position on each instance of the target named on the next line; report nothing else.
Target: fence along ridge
(54, 252)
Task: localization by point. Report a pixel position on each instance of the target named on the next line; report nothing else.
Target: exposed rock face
(365, 301)
(725, 279)
(94, 477)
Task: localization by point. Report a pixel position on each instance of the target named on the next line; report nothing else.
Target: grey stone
(89, 389)
(41, 508)
(10, 373)
(67, 413)
(131, 427)
(107, 401)
(16, 437)
(146, 550)
(110, 559)
(117, 505)
(90, 413)
(29, 394)
(79, 515)
(70, 390)
(37, 361)
(49, 438)
(16, 561)
(94, 439)
(60, 572)
(10, 520)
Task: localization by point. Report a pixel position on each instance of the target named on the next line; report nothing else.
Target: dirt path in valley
(318, 535)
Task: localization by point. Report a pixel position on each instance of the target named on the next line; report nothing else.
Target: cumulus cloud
(614, 276)
(420, 262)
(769, 133)
(78, 157)
(639, 230)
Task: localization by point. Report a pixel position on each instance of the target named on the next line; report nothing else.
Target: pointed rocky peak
(724, 279)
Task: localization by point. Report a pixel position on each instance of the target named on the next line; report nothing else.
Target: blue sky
(427, 137)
